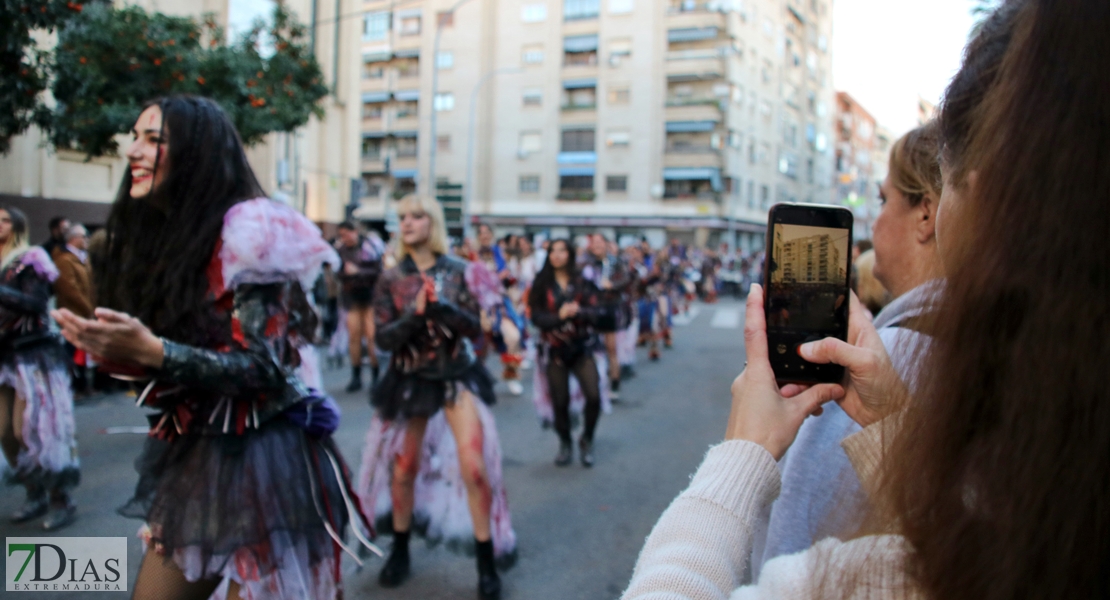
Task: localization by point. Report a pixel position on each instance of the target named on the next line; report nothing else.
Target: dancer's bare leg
(367, 316)
(611, 352)
(355, 334)
(462, 416)
(405, 468)
(10, 428)
(161, 579)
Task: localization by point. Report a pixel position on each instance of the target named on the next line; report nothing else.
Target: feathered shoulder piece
(36, 258)
(483, 284)
(266, 242)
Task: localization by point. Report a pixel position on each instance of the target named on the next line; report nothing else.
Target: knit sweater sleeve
(699, 548)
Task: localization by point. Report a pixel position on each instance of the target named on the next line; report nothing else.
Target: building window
(576, 183)
(616, 183)
(578, 140)
(372, 148)
(619, 7)
(619, 95)
(529, 184)
(533, 13)
(620, 48)
(406, 147)
(529, 142)
(533, 55)
(580, 98)
(580, 9)
(444, 101)
(371, 188)
(443, 143)
(764, 196)
(532, 97)
(372, 70)
(375, 27)
(446, 18)
(617, 138)
(372, 110)
(445, 60)
(406, 110)
(410, 25)
(408, 68)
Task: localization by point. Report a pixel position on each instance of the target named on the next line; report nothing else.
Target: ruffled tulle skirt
(440, 512)
(408, 396)
(265, 509)
(48, 457)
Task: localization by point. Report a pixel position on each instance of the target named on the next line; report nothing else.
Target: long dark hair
(545, 279)
(159, 246)
(999, 478)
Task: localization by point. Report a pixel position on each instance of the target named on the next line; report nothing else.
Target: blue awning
(373, 134)
(406, 95)
(713, 174)
(577, 158)
(580, 43)
(577, 84)
(692, 34)
(690, 126)
(375, 96)
(403, 173)
(404, 134)
(407, 53)
(382, 56)
(576, 171)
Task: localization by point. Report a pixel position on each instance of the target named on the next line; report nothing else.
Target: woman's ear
(926, 217)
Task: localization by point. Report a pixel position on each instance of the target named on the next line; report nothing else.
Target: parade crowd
(962, 456)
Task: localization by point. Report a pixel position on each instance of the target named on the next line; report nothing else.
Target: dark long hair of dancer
(159, 246)
(545, 279)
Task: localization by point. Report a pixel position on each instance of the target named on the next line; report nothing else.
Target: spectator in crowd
(58, 228)
(73, 290)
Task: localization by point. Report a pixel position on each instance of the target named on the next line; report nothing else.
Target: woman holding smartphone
(433, 435)
(202, 300)
(565, 307)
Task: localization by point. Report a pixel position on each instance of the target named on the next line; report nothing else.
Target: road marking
(726, 318)
(124, 429)
(687, 318)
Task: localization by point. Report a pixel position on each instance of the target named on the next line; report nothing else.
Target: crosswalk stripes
(726, 318)
(687, 318)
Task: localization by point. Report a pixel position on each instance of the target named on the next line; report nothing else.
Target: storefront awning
(407, 95)
(692, 34)
(576, 171)
(580, 43)
(712, 174)
(690, 126)
(375, 96)
(577, 84)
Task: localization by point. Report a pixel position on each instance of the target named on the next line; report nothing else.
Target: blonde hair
(914, 166)
(437, 233)
(17, 241)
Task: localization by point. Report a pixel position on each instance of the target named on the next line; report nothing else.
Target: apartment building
(638, 117)
(856, 144)
(316, 168)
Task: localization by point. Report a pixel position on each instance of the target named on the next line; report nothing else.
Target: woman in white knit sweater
(993, 478)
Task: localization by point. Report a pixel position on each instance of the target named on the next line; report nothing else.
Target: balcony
(576, 195)
(373, 163)
(702, 110)
(694, 65)
(699, 16)
(701, 157)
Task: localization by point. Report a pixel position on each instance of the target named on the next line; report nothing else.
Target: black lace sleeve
(393, 328)
(28, 295)
(260, 326)
(459, 313)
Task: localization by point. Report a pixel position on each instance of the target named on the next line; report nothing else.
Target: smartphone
(805, 278)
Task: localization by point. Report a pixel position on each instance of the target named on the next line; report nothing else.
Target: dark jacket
(73, 288)
(25, 288)
(568, 339)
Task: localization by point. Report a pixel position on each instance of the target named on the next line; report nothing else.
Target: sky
(888, 52)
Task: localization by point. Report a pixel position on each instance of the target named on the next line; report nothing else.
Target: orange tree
(108, 62)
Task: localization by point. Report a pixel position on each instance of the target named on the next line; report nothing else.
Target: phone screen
(808, 256)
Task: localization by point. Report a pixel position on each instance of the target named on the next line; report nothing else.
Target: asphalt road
(579, 530)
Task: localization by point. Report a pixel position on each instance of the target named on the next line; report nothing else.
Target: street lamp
(468, 189)
(435, 92)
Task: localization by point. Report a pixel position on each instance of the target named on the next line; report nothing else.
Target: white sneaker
(515, 387)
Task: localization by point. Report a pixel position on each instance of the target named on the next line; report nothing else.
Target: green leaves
(108, 62)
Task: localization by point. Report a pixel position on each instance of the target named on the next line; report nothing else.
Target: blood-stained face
(148, 152)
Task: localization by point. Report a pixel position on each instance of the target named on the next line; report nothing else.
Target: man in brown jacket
(73, 290)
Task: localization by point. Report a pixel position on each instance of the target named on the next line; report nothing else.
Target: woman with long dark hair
(36, 400)
(201, 293)
(989, 482)
(432, 437)
(566, 307)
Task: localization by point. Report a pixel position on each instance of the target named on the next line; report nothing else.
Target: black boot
(35, 506)
(586, 451)
(489, 584)
(356, 378)
(375, 371)
(615, 391)
(396, 569)
(564, 456)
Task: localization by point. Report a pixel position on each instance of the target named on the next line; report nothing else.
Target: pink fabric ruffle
(441, 509)
(266, 242)
(37, 258)
(483, 285)
(49, 430)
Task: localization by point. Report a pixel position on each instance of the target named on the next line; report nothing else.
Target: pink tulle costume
(240, 479)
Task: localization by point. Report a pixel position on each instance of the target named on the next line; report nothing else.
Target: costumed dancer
(362, 264)
(566, 308)
(432, 461)
(650, 305)
(612, 277)
(36, 398)
(203, 300)
(505, 323)
(524, 268)
(630, 317)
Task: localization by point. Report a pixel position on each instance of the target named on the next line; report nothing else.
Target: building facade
(856, 140)
(665, 118)
(316, 168)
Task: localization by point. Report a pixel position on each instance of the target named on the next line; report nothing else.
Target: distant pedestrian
(73, 290)
(37, 429)
(58, 227)
(362, 264)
